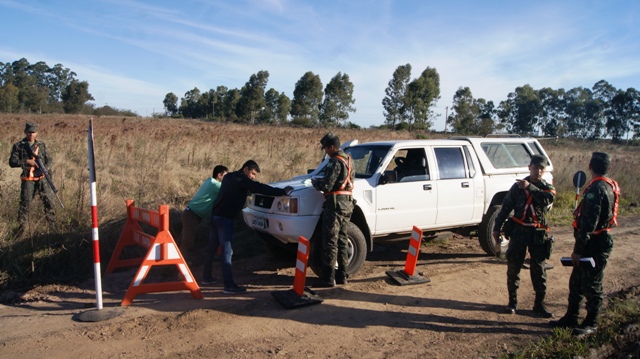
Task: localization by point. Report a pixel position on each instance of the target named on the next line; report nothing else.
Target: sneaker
(236, 289)
(209, 281)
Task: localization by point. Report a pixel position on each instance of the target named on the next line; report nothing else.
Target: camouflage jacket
(335, 174)
(542, 194)
(596, 211)
(19, 157)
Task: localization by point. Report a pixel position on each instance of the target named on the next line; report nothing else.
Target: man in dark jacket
(529, 199)
(594, 217)
(32, 178)
(337, 186)
(230, 201)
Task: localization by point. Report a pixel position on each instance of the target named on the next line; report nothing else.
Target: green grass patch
(617, 336)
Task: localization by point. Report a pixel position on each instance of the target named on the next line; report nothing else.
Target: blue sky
(133, 53)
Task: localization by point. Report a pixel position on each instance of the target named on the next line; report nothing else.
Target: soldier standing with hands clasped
(594, 217)
(529, 198)
(32, 177)
(336, 185)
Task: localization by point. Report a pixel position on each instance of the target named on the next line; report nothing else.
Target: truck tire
(357, 249)
(485, 232)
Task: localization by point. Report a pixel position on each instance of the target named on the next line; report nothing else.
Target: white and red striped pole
(94, 219)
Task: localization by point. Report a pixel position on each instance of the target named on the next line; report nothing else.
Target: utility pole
(446, 116)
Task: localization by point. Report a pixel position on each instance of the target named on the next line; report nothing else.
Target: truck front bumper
(286, 229)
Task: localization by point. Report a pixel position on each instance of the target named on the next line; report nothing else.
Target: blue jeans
(220, 236)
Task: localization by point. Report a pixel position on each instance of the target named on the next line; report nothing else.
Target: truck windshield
(367, 159)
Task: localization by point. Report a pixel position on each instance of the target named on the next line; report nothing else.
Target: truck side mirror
(388, 177)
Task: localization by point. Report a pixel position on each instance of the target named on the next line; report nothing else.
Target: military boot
(569, 320)
(327, 279)
(513, 304)
(588, 326)
(539, 307)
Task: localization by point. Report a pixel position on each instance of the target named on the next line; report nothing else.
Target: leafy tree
(623, 114)
(424, 92)
(252, 100)
(520, 112)
(60, 77)
(584, 117)
(485, 122)
(396, 96)
(170, 103)
(75, 95)
(463, 112)
(231, 100)
(206, 104)
(189, 104)
(338, 101)
(9, 98)
(307, 97)
(218, 105)
(553, 115)
(284, 108)
(276, 109)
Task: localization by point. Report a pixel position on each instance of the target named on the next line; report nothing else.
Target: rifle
(44, 171)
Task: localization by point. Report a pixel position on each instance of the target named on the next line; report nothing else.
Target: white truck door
(412, 200)
(456, 189)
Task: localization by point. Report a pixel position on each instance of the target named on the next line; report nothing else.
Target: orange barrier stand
(299, 295)
(408, 274)
(161, 250)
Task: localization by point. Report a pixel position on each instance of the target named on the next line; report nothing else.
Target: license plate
(259, 222)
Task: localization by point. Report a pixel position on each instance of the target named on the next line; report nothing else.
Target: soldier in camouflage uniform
(595, 215)
(32, 178)
(529, 198)
(336, 185)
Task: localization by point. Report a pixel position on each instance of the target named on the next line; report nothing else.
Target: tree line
(599, 112)
(38, 88)
(311, 105)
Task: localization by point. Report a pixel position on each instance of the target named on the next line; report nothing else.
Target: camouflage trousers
(521, 239)
(586, 281)
(335, 222)
(28, 190)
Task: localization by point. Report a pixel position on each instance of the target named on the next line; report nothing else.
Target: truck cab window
(410, 165)
(450, 162)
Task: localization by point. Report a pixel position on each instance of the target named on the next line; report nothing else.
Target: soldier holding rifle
(26, 154)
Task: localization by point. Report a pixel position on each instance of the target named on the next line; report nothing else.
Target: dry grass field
(46, 276)
(163, 161)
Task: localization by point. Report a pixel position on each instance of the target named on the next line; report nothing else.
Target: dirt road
(458, 314)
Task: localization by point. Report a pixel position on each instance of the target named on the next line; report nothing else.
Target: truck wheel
(485, 231)
(357, 251)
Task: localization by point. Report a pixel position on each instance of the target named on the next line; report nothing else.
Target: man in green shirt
(200, 207)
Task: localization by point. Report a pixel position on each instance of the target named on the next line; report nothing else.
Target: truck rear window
(507, 155)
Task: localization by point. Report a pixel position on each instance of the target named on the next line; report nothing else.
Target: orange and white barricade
(408, 274)
(161, 251)
(299, 295)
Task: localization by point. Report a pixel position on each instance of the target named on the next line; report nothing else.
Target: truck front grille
(263, 201)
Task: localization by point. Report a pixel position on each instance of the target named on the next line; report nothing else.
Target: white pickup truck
(454, 184)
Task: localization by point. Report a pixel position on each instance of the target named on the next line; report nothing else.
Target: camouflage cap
(600, 162)
(31, 127)
(539, 161)
(330, 139)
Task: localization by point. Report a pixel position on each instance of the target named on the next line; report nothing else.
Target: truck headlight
(287, 205)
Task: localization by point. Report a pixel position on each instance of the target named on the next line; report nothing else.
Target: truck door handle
(465, 184)
(426, 187)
